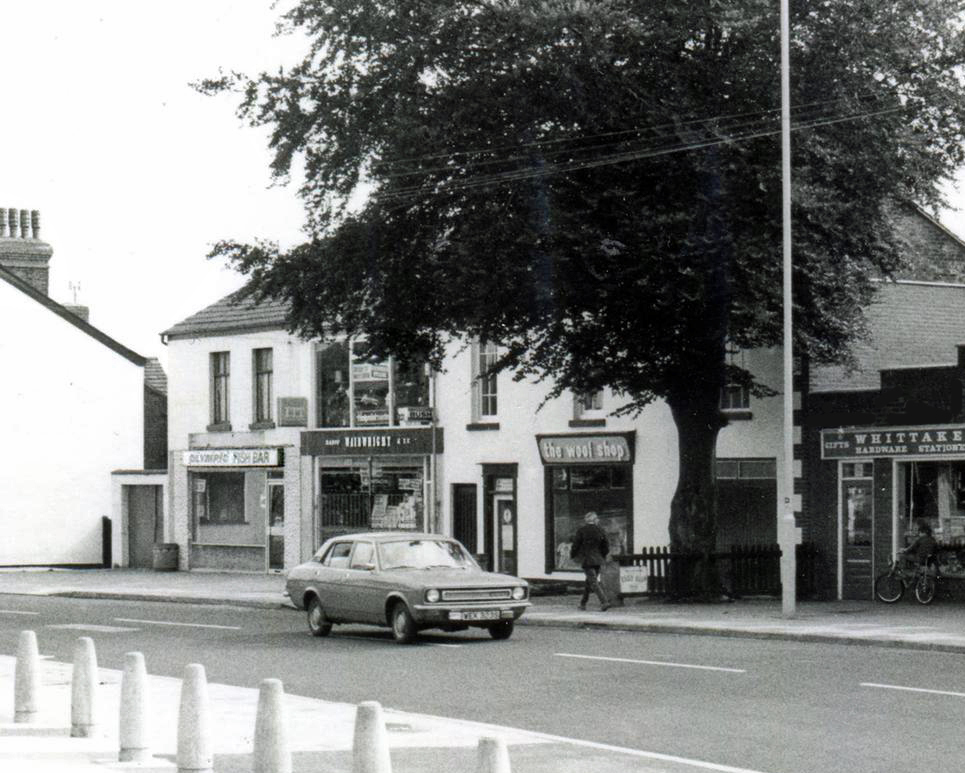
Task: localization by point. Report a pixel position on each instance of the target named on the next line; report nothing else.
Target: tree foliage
(596, 184)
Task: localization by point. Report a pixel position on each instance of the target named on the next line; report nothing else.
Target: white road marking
(440, 644)
(16, 612)
(652, 663)
(913, 689)
(703, 765)
(186, 625)
(92, 627)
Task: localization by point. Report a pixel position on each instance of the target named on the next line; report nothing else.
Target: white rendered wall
(71, 410)
(655, 449)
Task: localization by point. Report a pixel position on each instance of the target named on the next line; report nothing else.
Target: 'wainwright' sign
(893, 441)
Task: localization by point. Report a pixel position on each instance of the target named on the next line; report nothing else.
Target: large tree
(596, 184)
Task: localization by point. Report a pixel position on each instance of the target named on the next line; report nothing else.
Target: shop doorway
(144, 524)
(464, 515)
(856, 521)
(276, 526)
(504, 527)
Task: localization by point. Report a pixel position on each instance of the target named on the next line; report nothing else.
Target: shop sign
(415, 414)
(942, 440)
(634, 579)
(616, 448)
(292, 411)
(364, 371)
(372, 442)
(231, 457)
(372, 416)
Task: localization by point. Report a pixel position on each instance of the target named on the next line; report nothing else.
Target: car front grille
(477, 594)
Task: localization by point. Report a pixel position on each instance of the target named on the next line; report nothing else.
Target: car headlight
(432, 595)
(519, 593)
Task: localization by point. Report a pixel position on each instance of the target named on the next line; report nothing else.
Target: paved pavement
(321, 731)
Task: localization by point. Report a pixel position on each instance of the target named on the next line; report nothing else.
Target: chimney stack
(21, 250)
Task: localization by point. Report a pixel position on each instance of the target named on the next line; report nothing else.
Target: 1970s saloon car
(406, 581)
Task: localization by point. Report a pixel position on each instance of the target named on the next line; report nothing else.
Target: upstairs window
(484, 383)
(262, 378)
(220, 374)
(589, 405)
(735, 397)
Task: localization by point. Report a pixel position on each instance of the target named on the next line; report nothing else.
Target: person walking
(590, 546)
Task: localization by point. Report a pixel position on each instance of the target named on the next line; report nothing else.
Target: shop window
(484, 382)
(372, 495)
(262, 381)
(362, 391)
(220, 497)
(220, 373)
(332, 386)
(932, 492)
(576, 490)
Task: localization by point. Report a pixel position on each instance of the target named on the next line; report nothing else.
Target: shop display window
(229, 508)
(372, 496)
(579, 489)
(933, 492)
(362, 391)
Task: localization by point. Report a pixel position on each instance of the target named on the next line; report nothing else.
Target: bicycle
(890, 587)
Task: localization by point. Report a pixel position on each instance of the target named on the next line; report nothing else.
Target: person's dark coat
(590, 544)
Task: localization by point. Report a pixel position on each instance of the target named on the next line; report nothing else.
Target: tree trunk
(693, 509)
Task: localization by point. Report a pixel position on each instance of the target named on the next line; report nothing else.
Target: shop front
(586, 473)
(372, 479)
(889, 480)
(236, 508)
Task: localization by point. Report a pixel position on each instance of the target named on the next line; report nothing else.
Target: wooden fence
(744, 570)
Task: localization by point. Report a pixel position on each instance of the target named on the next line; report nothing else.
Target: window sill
(482, 426)
(587, 422)
(223, 426)
(262, 425)
(737, 415)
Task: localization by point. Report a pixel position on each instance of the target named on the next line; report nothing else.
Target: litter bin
(166, 557)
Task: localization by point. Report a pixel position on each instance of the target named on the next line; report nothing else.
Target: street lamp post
(788, 535)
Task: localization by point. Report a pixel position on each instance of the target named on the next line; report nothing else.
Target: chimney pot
(12, 222)
(35, 220)
(24, 223)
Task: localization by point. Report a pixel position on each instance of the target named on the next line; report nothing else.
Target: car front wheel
(317, 623)
(403, 626)
(501, 630)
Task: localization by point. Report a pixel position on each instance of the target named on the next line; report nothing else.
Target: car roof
(388, 536)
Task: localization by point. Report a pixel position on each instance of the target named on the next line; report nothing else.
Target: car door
(330, 579)
(363, 592)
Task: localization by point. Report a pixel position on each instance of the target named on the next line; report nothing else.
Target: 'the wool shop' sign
(948, 439)
(613, 448)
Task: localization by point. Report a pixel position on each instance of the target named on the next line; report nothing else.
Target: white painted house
(73, 410)
(278, 443)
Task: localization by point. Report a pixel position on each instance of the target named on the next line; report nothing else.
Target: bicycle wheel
(889, 588)
(925, 589)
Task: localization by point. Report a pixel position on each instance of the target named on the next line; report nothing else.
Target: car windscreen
(424, 554)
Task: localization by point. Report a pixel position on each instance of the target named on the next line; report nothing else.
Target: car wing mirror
(366, 567)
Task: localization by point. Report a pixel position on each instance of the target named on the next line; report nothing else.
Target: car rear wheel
(317, 623)
(403, 626)
(501, 630)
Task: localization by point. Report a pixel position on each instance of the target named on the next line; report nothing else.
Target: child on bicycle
(922, 549)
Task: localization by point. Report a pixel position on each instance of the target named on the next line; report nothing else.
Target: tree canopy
(596, 184)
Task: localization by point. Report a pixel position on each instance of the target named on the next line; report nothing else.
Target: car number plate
(481, 614)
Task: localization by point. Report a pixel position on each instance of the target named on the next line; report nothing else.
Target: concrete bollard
(133, 732)
(26, 681)
(83, 686)
(492, 756)
(370, 745)
(194, 724)
(271, 750)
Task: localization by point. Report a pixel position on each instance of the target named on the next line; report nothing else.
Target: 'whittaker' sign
(612, 448)
(231, 457)
(893, 441)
